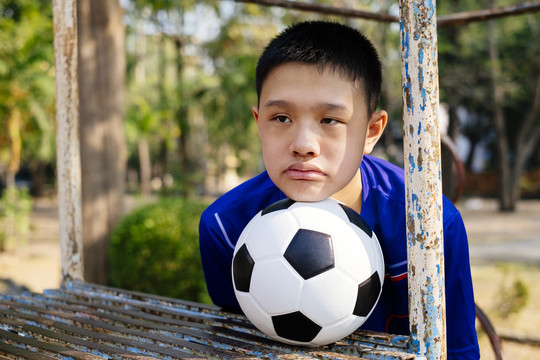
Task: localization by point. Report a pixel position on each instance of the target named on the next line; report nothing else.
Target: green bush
(155, 249)
(15, 210)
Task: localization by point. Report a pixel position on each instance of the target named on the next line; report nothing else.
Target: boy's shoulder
(386, 180)
(383, 178)
(248, 197)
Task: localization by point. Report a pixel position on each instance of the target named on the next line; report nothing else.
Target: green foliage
(228, 104)
(155, 249)
(514, 292)
(15, 209)
(26, 82)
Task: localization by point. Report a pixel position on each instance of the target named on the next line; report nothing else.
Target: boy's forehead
(327, 70)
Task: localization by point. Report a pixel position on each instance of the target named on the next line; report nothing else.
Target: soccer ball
(307, 273)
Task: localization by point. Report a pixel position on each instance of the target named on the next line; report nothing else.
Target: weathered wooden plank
(102, 320)
(103, 344)
(211, 341)
(228, 339)
(19, 352)
(212, 315)
(49, 348)
(381, 341)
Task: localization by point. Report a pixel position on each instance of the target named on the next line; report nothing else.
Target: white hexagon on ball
(275, 286)
(329, 297)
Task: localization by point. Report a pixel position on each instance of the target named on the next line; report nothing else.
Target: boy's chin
(308, 198)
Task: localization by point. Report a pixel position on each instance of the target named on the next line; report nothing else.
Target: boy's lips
(302, 171)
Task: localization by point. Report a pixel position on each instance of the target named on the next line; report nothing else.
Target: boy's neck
(351, 194)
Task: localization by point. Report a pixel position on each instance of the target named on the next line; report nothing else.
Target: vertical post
(67, 138)
(421, 141)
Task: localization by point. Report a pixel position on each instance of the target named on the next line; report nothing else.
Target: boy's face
(314, 131)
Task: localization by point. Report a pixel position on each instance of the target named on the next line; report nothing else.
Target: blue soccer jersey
(383, 207)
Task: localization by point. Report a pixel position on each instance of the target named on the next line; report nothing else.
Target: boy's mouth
(303, 171)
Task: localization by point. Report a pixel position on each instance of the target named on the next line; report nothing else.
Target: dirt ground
(504, 250)
(35, 265)
(505, 264)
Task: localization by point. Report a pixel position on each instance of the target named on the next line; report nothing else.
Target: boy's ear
(255, 110)
(376, 125)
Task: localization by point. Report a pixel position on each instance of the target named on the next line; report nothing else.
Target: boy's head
(318, 86)
(327, 45)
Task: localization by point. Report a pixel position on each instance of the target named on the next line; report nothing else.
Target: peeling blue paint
(431, 9)
(411, 164)
(404, 41)
(423, 95)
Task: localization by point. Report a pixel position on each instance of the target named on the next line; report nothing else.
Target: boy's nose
(305, 144)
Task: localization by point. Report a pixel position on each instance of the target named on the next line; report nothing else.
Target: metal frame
(67, 138)
(422, 165)
(423, 183)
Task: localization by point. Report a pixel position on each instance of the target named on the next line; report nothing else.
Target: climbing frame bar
(67, 138)
(421, 142)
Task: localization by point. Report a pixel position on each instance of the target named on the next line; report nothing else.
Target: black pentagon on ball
(242, 269)
(368, 292)
(278, 205)
(295, 326)
(356, 219)
(310, 253)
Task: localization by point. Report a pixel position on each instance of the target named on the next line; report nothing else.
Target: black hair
(326, 44)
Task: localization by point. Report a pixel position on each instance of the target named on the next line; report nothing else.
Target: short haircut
(326, 45)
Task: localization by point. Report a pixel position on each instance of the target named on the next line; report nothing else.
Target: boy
(318, 86)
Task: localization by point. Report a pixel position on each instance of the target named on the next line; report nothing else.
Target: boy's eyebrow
(278, 103)
(321, 105)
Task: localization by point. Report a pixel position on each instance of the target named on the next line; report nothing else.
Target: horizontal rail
(456, 19)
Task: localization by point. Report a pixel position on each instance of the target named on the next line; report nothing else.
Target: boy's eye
(282, 119)
(328, 121)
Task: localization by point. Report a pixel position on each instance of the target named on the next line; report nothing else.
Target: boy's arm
(216, 257)
(460, 308)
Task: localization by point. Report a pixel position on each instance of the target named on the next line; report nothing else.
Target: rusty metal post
(421, 141)
(67, 138)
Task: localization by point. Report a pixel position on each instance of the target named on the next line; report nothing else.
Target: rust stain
(408, 100)
(410, 224)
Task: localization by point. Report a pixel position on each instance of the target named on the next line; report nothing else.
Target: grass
(509, 294)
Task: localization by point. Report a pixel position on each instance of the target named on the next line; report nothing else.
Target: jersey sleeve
(216, 256)
(462, 341)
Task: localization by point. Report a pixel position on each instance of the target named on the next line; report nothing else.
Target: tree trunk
(511, 169)
(183, 123)
(145, 167)
(470, 156)
(101, 92)
(506, 200)
(181, 113)
(14, 131)
(144, 164)
(38, 171)
(528, 137)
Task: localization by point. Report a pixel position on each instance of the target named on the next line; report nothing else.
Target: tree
(26, 86)
(517, 123)
(491, 71)
(101, 93)
(158, 61)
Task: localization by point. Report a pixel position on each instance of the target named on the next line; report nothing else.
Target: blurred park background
(166, 89)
